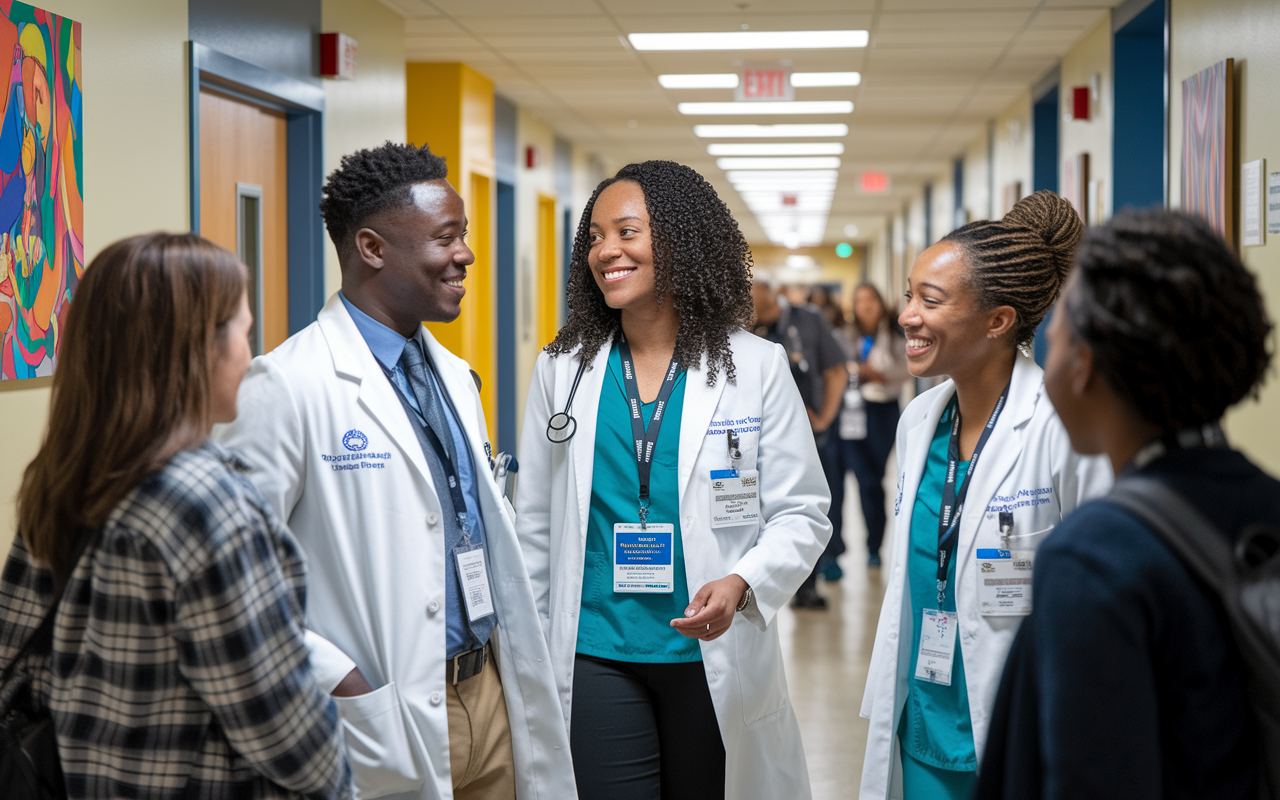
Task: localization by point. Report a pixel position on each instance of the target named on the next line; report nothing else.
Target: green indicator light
(844, 249)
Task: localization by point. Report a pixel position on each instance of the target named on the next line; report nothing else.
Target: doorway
(244, 204)
(1139, 132)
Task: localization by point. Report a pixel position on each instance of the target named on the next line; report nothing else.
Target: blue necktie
(414, 364)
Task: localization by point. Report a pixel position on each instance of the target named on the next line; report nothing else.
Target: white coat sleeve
(793, 498)
(267, 433)
(1077, 478)
(533, 490)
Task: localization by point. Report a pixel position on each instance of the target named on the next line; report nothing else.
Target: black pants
(867, 458)
(644, 732)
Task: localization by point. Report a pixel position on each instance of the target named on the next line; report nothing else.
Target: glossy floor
(827, 654)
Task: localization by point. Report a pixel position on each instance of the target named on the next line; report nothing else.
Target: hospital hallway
(827, 654)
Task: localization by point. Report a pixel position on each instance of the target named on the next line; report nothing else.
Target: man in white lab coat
(369, 438)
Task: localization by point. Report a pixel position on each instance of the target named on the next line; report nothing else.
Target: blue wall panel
(1139, 135)
(1044, 138)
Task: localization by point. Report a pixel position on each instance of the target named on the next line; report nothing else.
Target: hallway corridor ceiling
(932, 76)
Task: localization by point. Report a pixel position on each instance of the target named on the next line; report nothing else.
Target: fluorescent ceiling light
(769, 131)
(807, 175)
(825, 79)
(749, 108)
(749, 40)
(819, 162)
(778, 149)
(719, 80)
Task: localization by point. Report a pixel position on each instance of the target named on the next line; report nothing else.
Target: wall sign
(764, 83)
(1251, 203)
(41, 187)
(1273, 203)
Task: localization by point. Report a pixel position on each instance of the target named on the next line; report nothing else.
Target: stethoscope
(562, 426)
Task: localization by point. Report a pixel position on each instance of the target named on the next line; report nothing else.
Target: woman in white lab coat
(985, 471)
(654, 384)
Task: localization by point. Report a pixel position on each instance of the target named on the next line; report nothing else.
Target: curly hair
(1022, 261)
(373, 180)
(1176, 324)
(700, 258)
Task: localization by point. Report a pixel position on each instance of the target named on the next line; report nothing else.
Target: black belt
(466, 665)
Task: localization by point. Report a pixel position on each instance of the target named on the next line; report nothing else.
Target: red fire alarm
(1080, 102)
(874, 183)
(337, 56)
(532, 157)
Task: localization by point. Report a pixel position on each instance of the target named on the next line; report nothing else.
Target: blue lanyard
(646, 440)
(953, 501)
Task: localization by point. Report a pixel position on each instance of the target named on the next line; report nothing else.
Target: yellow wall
(1203, 33)
(831, 267)
(135, 108)
(369, 110)
(1090, 56)
(450, 107)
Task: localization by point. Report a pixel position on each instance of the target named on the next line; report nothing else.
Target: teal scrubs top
(936, 728)
(625, 626)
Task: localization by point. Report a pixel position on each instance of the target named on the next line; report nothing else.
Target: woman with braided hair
(1125, 681)
(985, 472)
(671, 501)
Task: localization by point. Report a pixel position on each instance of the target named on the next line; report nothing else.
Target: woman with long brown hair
(178, 665)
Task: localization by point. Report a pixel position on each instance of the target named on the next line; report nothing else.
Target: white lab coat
(372, 535)
(1028, 450)
(764, 755)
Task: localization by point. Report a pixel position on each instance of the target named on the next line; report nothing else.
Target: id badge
(474, 578)
(735, 497)
(644, 558)
(1004, 588)
(853, 416)
(937, 646)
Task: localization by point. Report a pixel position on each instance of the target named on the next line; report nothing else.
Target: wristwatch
(747, 597)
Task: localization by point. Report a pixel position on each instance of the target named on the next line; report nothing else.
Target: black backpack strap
(1207, 554)
(42, 638)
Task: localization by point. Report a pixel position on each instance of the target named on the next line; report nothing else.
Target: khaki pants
(480, 739)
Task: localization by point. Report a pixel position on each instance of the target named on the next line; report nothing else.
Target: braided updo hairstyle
(1022, 260)
(1176, 324)
(700, 258)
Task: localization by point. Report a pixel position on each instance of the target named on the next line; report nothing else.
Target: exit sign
(770, 83)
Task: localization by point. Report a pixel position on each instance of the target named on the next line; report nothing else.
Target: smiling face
(421, 256)
(621, 255)
(948, 333)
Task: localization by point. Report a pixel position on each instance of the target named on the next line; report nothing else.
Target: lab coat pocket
(760, 677)
(377, 743)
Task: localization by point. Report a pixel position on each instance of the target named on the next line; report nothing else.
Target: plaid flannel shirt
(178, 665)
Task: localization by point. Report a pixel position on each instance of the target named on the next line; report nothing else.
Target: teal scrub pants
(921, 781)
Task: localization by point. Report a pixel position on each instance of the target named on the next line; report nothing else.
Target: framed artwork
(1207, 167)
(1075, 184)
(41, 186)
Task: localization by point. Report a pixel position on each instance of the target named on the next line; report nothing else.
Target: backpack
(1246, 578)
(30, 768)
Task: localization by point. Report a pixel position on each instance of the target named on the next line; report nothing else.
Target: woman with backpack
(178, 666)
(1125, 681)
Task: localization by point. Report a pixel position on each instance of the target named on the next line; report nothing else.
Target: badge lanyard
(953, 502)
(645, 439)
(451, 473)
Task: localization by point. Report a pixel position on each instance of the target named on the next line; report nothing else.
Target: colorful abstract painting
(41, 186)
(1206, 145)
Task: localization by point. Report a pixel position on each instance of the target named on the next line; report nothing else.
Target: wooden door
(244, 202)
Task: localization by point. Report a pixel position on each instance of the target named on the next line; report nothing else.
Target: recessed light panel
(750, 40)
(717, 80)
(817, 162)
(836, 129)
(753, 108)
(802, 79)
(777, 149)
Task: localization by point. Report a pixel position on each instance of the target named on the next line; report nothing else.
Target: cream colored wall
(1013, 150)
(944, 206)
(1091, 55)
(135, 104)
(369, 110)
(530, 183)
(1204, 32)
